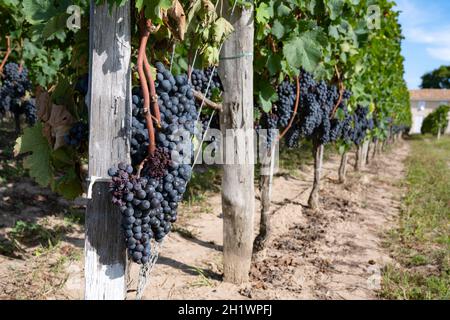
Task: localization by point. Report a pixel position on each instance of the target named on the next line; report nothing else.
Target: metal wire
(146, 269)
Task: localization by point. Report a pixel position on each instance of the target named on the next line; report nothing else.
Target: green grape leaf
(38, 162)
(263, 13)
(55, 25)
(274, 63)
(277, 29)
(69, 185)
(267, 95)
(36, 11)
(304, 51)
(335, 8)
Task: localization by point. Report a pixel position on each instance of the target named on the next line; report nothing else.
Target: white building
(425, 101)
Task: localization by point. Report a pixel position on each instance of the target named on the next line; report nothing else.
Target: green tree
(437, 121)
(437, 79)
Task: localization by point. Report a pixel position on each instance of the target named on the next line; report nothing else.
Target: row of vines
(328, 72)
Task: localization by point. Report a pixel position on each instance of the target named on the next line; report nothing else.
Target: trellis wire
(203, 140)
(171, 58)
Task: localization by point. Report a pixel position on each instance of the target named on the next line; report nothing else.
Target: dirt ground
(336, 253)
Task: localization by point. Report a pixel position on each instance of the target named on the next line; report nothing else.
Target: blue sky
(426, 27)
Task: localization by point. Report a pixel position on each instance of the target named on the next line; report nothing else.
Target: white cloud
(419, 35)
(412, 15)
(419, 26)
(440, 53)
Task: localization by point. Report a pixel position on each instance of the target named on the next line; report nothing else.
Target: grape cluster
(347, 128)
(400, 129)
(77, 135)
(130, 193)
(286, 101)
(149, 201)
(82, 84)
(361, 124)
(272, 121)
(316, 104)
(200, 80)
(15, 84)
(204, 120)
(28, 108)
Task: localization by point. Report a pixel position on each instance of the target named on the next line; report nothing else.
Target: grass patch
(294, 159)
(204, 179)
(10, 168)
(30, 233)
(421, 244)
(75, 217)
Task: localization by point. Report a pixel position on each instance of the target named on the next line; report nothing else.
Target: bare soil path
(336, 253)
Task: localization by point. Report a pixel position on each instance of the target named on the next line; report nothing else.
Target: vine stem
(8, 52)
(297, 100)
(153, 96)
(145, 34)
(341, 92)
(209, 103)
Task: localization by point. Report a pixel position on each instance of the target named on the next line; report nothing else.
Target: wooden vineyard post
(343, 167)
(313, 201)
(238, 194)
(368, 154)
(358, 158)
(365, 150)
(266, 180)
(375, 149)
(109, 116)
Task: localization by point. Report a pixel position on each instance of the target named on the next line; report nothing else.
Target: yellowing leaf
(221, 30)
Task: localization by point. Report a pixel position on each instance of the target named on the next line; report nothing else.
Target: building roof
(430, 95)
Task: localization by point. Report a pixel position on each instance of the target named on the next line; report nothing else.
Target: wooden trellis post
(238, 194)
(109, 116)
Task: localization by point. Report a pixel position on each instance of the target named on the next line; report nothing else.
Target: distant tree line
(437, 79)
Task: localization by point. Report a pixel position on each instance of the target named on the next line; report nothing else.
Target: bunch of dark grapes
(82, 84)
(200, 80)
(292, 137)
(361, 124)
(77, 135)
(15, 84)
(347, 128)
(271, 125)
(28, 109)
(204, 119)
(286, 101)
(400, 129)
(130, 193)
(315, 119)
(149, 202)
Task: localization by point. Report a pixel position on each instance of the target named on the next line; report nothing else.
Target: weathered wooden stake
(343, 167)
(368, 155)
(313, 201)
(238, 194)
(110, 117)
(364, 151)
(357, 158)
(375, 149)
(265, 229)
